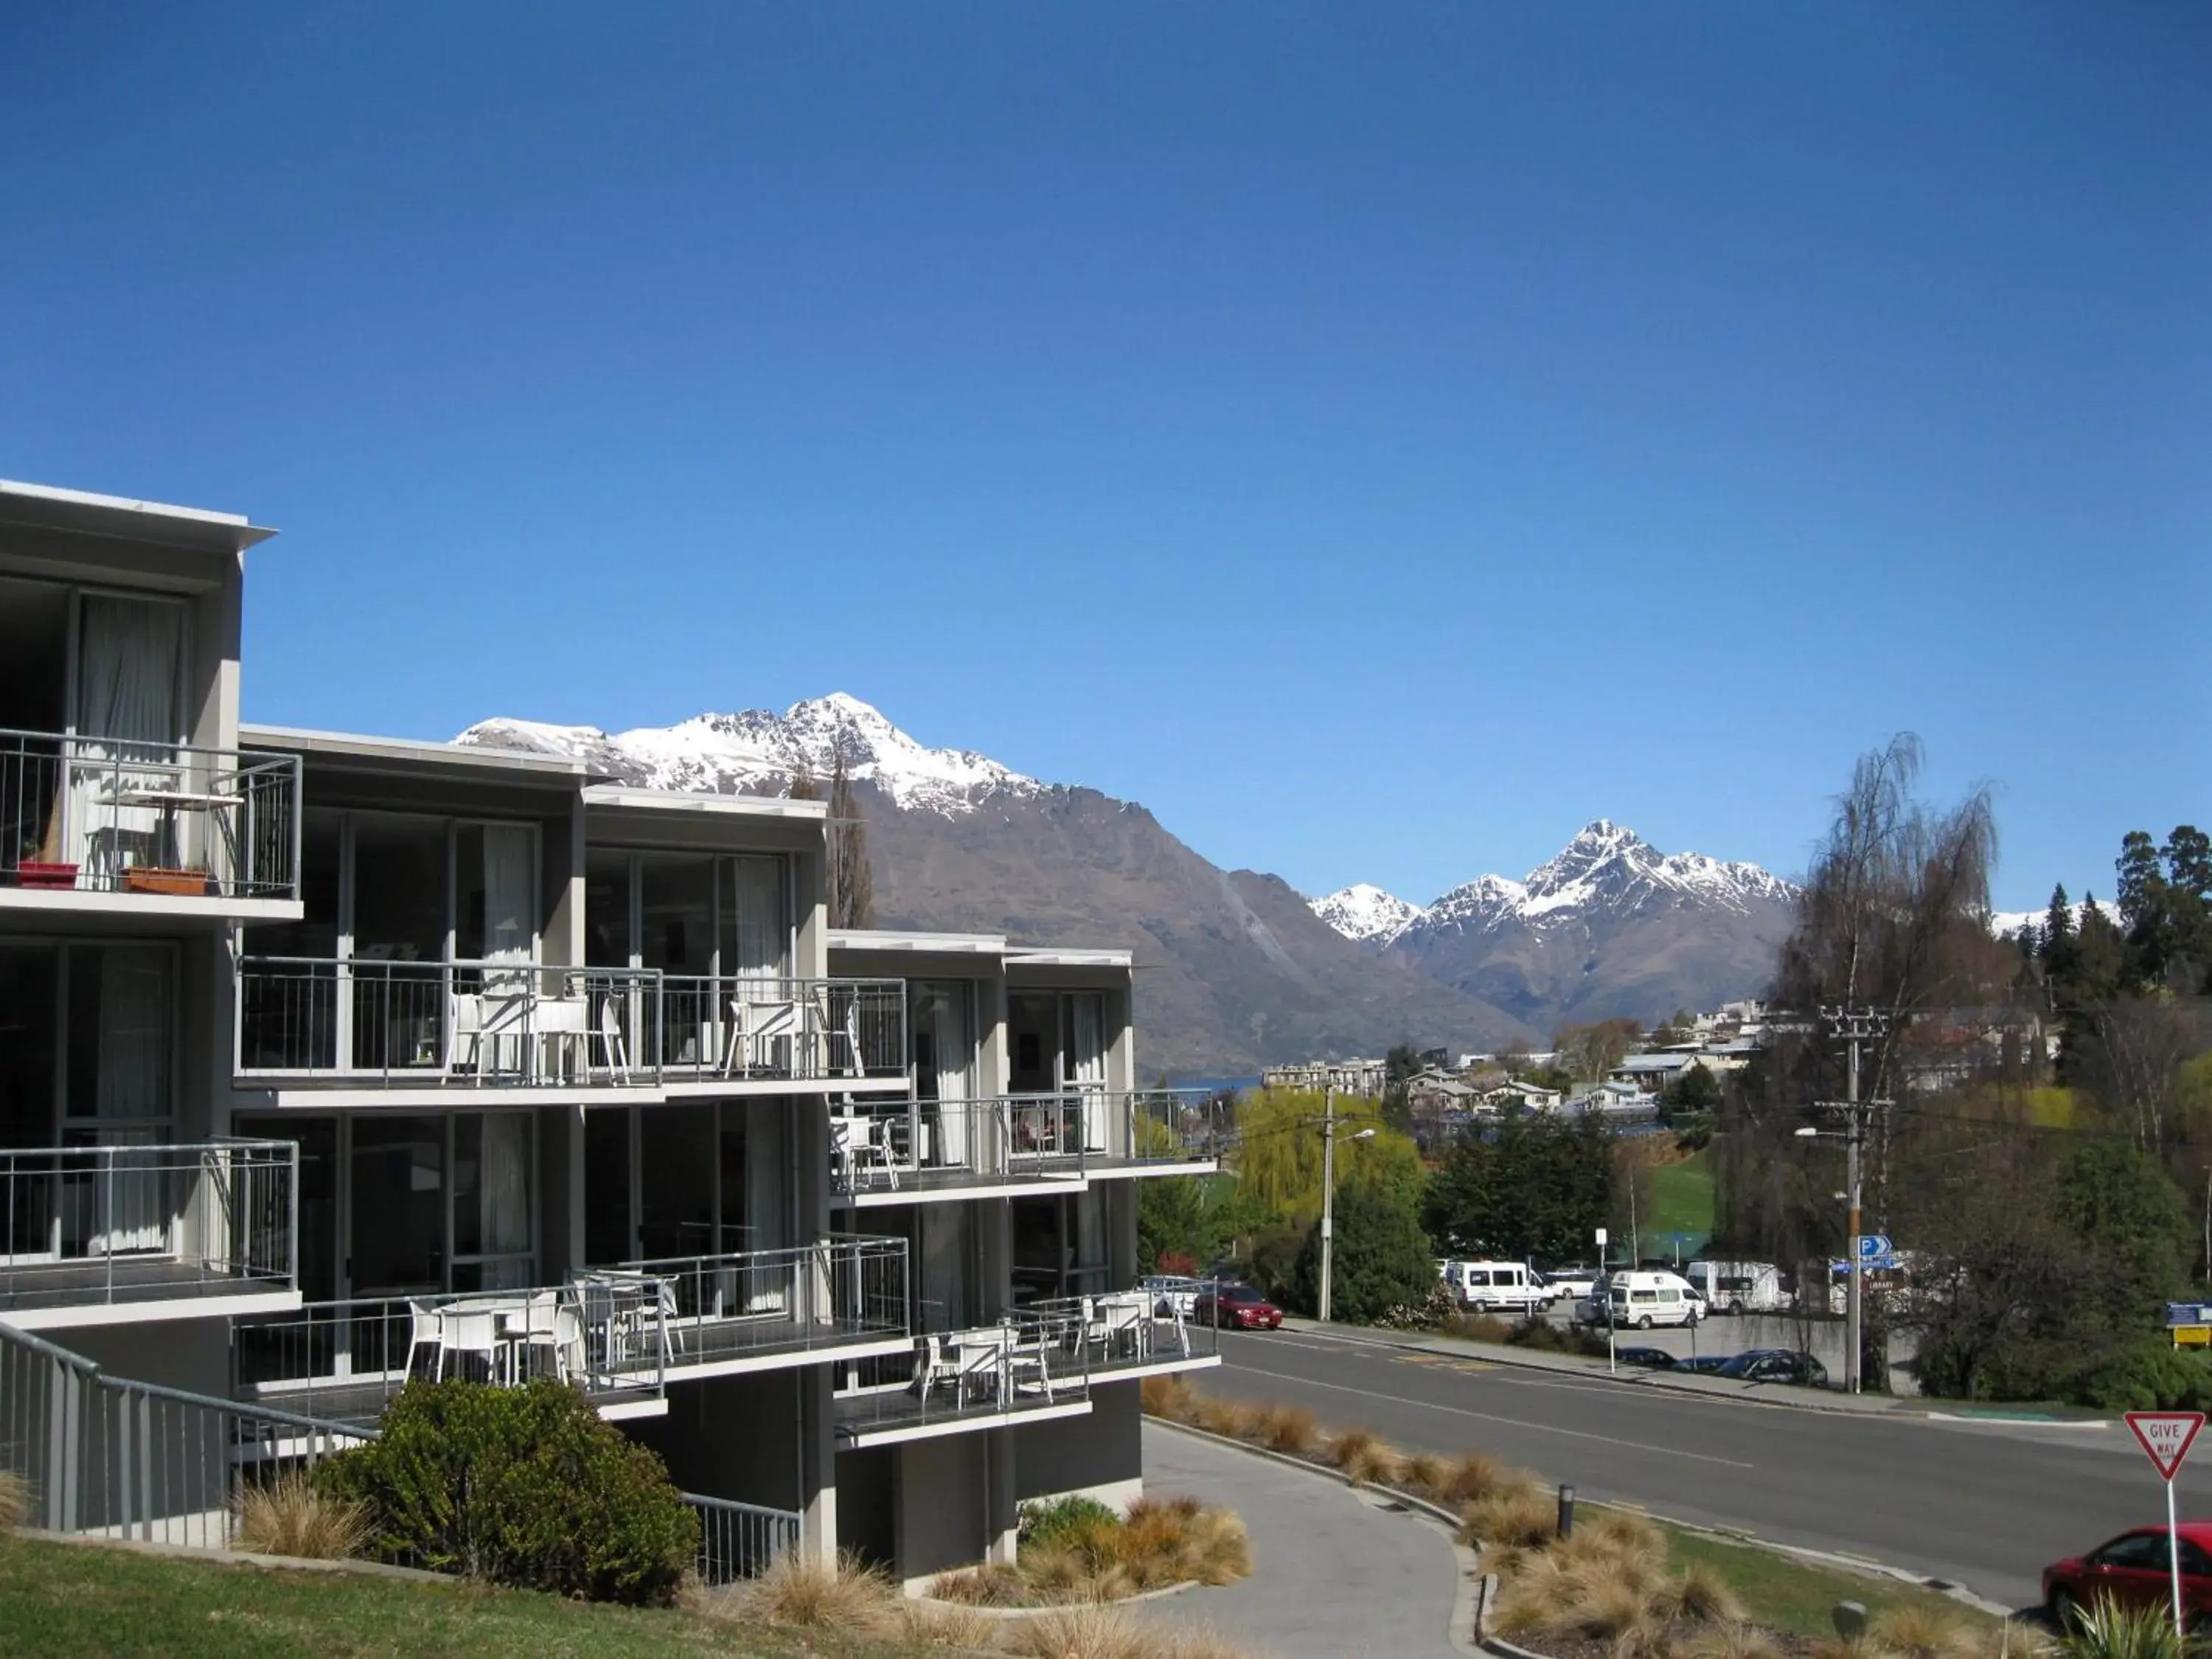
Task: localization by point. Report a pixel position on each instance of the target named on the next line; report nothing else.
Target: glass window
(606, 1186)
(676, 908)
(120, 1010)
(398, 1203)
(676, 1182)
(2139, 1551)
(398, 888)
(755, 931)
(30, 990)
(493, 1217)
(606, 909)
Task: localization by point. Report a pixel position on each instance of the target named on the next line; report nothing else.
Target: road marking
(1492, 1417)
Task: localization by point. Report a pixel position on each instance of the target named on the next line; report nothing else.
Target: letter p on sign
(2166, 1437)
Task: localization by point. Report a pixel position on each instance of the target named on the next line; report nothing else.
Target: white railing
(888, 1146)
(1128, 1330)
(115, 815)
(97, 1225)
(1033, 1359)
(468, 1025)
(716, 1027)
(830, 1294)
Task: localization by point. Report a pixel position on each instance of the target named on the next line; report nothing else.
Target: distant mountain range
(1236, 968)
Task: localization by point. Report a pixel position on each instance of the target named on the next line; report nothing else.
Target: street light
(1328, 1193)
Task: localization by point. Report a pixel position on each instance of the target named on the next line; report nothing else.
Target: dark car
(1775, 1366)
(2134, 1570)
(1652, 1360)
(1704, 1363)
(1241, 1306)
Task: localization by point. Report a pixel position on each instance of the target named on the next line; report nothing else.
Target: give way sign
(2165, 1437)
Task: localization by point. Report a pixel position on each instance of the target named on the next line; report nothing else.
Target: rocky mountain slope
(1234, 969)
(1610, 926)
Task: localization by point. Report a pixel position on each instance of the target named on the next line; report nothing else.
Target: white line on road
(1491, 1417)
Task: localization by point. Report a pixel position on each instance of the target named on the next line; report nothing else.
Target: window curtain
(131, 1101)
(757, 931)
(764, 1210)
(944, 1014)
(503, 1185)
(1087, 1066)
(944, 1266)
(130, 653)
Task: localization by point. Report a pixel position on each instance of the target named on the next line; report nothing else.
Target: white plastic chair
(562, 1023)
(425, 1334)
(613, 1047)
(471, 1332)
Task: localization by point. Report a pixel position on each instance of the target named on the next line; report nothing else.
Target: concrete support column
(818, 1463)
(1002, 1515)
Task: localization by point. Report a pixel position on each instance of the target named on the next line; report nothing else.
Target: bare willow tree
(851, 883)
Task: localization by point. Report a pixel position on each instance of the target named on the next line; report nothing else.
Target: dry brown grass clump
(802, 1592)
(1217, 1416)
(1473, 1479)
(924, 1625)
(1423, 1474)
(1699, 1597)
(288, 1516)
(1094, 1632)
(1522, 1513)
(15, 1499)
(1289, 1428)
(1363, 1459)
(1170, 1397)
(1916, 1631)
(1731, 1641)
(994, 1584)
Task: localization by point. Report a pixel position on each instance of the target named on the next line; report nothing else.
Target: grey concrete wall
(943, 1509)
(1102, 1454)
(191, 1354)
(867, 1505)
(732, 1436)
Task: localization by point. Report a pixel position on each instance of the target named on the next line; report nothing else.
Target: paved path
(1332, 1574)
(1985, 1505)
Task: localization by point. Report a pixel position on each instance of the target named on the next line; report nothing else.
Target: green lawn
(84, 1602)
(1797, 1595)
(1682, 1195)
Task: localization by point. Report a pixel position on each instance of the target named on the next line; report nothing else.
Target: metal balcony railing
(114, 814)
(467, 1024)
(740, 1541)
(841, 1290)
(904, 1144)
(1032, 1360)
(1155, 1324)
(101, 1225)
(712, 1028)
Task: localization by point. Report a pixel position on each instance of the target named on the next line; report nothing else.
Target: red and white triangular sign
(2167, 1437)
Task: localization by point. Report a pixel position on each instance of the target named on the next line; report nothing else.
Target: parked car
(1702, 1363)
(1777, 1366)
(1241, 1306)
(1739, 1287)
(1497, 1286)
(1173, 1294)
(1645, 1299)
(1572, 1283)
(1651, 1359)
(2135, 1570)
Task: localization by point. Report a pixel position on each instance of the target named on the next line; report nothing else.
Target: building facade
(329, 1061)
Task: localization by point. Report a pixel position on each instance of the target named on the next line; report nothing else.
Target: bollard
(1566, 1511)
(1849, 1618)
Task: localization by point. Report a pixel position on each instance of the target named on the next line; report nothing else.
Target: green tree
(1381, 1258)
(1529, 1186)
(1278, 1155)
(1696, 1090)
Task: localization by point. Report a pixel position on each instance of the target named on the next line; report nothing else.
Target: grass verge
(1796, 1596)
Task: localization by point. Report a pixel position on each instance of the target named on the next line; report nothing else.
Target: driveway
(1332, 1574)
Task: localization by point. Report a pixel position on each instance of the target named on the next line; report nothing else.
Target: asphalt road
(1982, 1505)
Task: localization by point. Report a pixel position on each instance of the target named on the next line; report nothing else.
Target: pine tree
(2061, 950)
(851, 883)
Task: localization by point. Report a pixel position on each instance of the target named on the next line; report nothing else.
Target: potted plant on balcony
(32, 871)
(157, 878)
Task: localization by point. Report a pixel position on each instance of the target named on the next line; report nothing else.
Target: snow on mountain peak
(1606, 864)
(757, 751)
(1363, 911)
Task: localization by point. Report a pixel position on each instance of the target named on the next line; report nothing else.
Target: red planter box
(30, 873)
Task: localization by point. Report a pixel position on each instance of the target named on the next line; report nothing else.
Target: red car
(1239, 1305)
(2134, 1571)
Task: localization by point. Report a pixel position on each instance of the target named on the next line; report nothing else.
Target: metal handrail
(740, 1541)
(1017, 1136)
(721, 1026)
(839, 1289)
(1110, 1344)
(108, 814)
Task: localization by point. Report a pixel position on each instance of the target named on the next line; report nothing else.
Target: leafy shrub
(2146, 1376)
(1072, 1520)
(1437, 1308)
(2110, 1631)
(526, 1487)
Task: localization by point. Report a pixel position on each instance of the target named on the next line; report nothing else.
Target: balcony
(1028, 1367)
(1120, 1334)
(435, 1028)
(914, 1150)
(140, 828)
(110, 1235)
(622, 1334)
(714, 1031)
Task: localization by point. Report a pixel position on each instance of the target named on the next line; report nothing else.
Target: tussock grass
(1914, 1631)
(288, 1516)
(1285, 1429)
(1218, 1416)
(924, 1625)
(1518, 1514)
(1096, 1632)
(1473, 1479)
(1699, 1597)
(994, 1584)
(841, 1598)
(1731, 1641)
(15, 1499)
(1363, 1460)
(1170, 1397)
(1423, 1474)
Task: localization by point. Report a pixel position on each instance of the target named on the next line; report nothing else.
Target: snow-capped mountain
(1605, 865)
(2004, 923)
(1608, 926)
(756, 752)
(1364, 912)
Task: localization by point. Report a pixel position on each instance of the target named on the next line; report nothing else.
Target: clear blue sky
(1377, 439)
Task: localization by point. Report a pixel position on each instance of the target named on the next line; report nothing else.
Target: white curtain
(1087, 1066)
(130, 653)
(1090, 1235)
(757, 935)
(503, 1184)
(131, 1096)
(944, 1266)
(764, 1159)
(942, 1008)
(509, 895)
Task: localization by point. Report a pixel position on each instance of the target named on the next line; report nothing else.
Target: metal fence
(706, 1028)
(116, 815)
(842, 1289)
(102, 1224)
(474, 1024)
(104, 1455)
(889, 1144)
(740, 1541)
(1155, 1324)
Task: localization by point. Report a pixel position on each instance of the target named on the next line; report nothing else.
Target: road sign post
(2165, 1438)
(1602, 1294)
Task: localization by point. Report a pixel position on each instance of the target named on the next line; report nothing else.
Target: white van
(1739, 1287)
(1645, 1299)
(1497, 1286)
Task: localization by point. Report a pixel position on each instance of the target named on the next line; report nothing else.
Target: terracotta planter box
(183, 883)
(31, 873)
